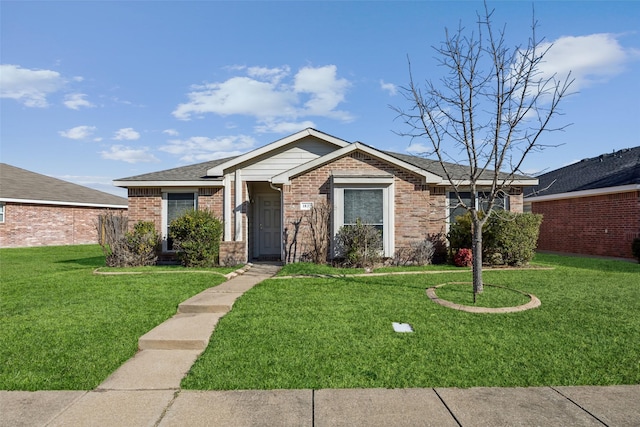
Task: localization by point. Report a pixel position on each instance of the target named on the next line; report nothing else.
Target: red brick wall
(416, 212)
(49, 225)
(603, 225)
(145, 204)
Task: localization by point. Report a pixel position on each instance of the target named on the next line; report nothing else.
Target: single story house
(591, 207)
(265, 197)
(38, 210)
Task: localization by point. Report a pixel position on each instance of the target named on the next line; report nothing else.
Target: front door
(267, 226)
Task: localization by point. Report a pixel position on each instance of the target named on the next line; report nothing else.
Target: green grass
(337, 332)
(492, 296)
(167, 269)
(64, 327)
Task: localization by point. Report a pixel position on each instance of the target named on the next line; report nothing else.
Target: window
(365, 204)
(1, 213)
(175, 205)
(501, 203)
(372, 203)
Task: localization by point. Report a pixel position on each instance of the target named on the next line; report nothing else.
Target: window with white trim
(176, 204)
(1, 213)
(368, 202)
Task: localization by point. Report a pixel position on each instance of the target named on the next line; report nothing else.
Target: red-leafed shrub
(463, 258)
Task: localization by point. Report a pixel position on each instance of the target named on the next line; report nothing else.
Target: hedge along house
(265, 197)
(38, 210)
(591, 207)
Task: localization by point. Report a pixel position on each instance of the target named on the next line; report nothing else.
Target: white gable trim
(285, 177)
(219, 170)
(583, 193)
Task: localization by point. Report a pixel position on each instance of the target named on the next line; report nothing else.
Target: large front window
(176, 205)
(372, 203)
(366, 205)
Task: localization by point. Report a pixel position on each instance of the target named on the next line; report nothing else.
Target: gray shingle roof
(17, 183)
(197, 172)
(607, 170)
(458, 172)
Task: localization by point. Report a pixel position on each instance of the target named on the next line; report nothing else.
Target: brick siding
(49, 225)
(416, 211)
(603, 225)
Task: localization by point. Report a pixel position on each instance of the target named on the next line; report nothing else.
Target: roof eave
(62, 203)
(196, 183)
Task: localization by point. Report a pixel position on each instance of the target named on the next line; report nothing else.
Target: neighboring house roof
(184, 175)
(607, 171)
(212, 172)
(23, 186)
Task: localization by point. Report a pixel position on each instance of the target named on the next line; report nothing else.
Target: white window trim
(388, 220)
(3, 212)
(165, 212)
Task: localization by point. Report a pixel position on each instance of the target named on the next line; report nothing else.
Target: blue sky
(95, 91)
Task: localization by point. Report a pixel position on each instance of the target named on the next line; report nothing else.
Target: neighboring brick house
(37, 210)
(591, 207)
(265, 196)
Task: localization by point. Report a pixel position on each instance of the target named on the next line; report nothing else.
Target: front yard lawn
(337, 332)
(65, 328)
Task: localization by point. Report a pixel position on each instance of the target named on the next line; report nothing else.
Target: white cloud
(76, 100)
(171, 132)
(419, 148)
(325, 90)
(129, 155)
(202, 148)
(126, 134)
(283, 127)
(591, 59)
(29, 87)
(270, 95)
(78, 132)
(390, 88)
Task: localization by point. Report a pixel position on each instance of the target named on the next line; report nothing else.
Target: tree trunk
(477, 257)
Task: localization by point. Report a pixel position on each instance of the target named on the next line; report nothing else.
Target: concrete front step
(184, 331)
(209, 301)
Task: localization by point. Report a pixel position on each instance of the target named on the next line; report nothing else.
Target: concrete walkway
(145, 391)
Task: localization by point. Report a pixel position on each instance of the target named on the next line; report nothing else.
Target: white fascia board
(584, 193)
(128, 184)
(59, 203)
(219, 170)
(285, 177)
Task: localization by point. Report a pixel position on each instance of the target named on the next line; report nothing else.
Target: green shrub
(143, 243)
(512, 235)
(507, 237)
(359, 244)
(196, 238)
(635, 248)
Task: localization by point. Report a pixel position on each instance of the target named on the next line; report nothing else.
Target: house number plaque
(306, 206)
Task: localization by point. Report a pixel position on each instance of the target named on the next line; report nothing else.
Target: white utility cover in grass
(402, 327)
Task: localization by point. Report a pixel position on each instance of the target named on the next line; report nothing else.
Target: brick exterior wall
(603, 225)
(49, 225)
(416, 211)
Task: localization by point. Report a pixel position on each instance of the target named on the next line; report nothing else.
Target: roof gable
(284, 177)
(620, 168)
(276, 146)
(23, 186)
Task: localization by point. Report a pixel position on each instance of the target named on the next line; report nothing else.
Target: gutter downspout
(279, 190)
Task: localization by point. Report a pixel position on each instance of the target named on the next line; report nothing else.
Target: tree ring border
(533, 303)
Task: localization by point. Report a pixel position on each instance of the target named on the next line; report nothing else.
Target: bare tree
(486, 114)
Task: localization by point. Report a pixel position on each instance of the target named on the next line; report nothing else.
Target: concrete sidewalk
(145, 391)
(536, 406)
